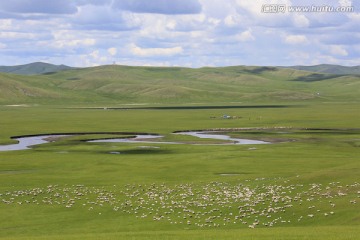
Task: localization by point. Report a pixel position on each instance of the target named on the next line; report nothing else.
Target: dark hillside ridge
(328, 68)
(34, 68)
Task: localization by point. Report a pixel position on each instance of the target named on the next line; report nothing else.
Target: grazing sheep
(202, 205)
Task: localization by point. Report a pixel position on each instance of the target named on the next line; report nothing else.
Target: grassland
(71, 189)
(143, 85)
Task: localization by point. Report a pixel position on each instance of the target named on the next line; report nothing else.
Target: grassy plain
(71, 189)
(312, 158)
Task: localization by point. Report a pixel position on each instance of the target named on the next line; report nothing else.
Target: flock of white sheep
(256, 203)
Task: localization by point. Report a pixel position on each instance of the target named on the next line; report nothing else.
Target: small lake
(27, 142)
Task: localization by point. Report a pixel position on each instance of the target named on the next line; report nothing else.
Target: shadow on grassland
(138, 151)
(317, 77)
(260, 70)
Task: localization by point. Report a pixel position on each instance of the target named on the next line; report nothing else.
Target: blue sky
(189, 33)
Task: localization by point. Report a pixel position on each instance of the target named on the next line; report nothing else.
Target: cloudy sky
(190, 33)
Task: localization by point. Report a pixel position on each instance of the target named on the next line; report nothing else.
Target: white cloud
(253, 7)
(230, 21)
(254, 13)
(6, 24)
(345, 2)
(94, 54)
(301, 21)
(149, 52)
(86, 42)
(112, 51)
(155, 27)
(74, 43)
(71, 39)
(171, 25)
(319, 59)
(2, 45)
(17, 35)
(354, 17)
(338, 50)
(214, 21)
(96, 58)
(296, 39)
(245, 36)
(173, 28)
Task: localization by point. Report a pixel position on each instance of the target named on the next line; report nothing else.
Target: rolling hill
(34, 68)
(169, 85)
(328, 68)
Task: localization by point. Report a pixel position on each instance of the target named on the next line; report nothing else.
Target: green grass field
(114, 85)
(305, 185)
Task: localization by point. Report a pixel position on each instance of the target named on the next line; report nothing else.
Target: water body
(27, 142)
(222, 137)
(136, 139)
(142, 138)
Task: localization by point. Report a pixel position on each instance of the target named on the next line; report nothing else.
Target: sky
(187, 33)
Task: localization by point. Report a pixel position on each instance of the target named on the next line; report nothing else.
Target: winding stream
(136, 139)
(223, 137)
(26, 142)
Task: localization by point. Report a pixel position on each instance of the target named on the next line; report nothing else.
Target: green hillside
(34, 68)
(123, 84)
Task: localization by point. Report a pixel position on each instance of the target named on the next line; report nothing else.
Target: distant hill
(328, 68)
(46, 68)
(34, 68)
(115, 84)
